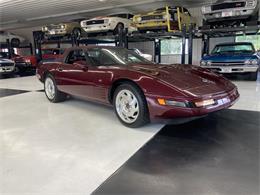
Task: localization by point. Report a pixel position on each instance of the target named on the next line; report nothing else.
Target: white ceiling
(27, 13)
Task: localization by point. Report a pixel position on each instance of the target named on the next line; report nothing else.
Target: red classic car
(139, 90)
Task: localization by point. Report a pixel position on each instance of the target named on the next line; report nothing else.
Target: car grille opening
(236, 63)
(228, 5)
(6, 64)
(93, 22)
(152, 17)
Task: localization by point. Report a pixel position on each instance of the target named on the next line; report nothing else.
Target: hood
(230, 57)
(3, 60)
(189, 79)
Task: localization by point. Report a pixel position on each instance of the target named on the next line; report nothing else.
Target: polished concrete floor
(75, 146)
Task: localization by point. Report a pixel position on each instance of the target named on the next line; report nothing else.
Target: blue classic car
(233, 58)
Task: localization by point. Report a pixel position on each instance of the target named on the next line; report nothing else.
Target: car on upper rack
(115, 23)
(236, 58)
(7, 66)
(230, 13)
(14, 39)
(62, 29)
(168, 19)
(139, 90)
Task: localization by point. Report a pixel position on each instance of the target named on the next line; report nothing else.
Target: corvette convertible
(139, 90)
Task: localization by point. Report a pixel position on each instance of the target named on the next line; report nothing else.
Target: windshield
(3, 55)
(114, 56)
(246, 48)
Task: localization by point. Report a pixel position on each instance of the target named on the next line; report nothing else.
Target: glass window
(3, 55)
(173, 47)
(114, 56)
(76, 56)
(245, 48)
(254, 39)
(47, 51)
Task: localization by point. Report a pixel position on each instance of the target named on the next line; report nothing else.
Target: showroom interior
(129, 97)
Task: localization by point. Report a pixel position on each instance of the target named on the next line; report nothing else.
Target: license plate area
(227, 14)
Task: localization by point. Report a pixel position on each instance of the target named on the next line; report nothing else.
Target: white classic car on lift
(230, 12)
(14, 39)
(112, 23)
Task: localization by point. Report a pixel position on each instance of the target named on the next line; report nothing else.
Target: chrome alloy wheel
(49, 88)
(127, 106)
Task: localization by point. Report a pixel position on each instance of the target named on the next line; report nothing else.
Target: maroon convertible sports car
(139, 90)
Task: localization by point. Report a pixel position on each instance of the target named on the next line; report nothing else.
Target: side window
(75, 56)
(97, 57)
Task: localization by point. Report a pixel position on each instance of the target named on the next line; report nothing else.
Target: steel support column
(183, 56)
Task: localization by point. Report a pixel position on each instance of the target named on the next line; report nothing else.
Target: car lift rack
(124, 38)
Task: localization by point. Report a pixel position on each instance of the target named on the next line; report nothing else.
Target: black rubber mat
(9, 92)
(218, 154)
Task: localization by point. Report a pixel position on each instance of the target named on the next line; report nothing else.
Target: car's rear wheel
(130, 106)
(51, 90)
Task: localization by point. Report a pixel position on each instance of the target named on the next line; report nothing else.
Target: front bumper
(232, 69)
(98, 28)
(152, 25)
(6, 69)
(56, 32)
(229, 14)
(160, 112)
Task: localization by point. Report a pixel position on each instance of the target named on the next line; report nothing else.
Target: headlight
(45, 28)
(209, 63)
(165, 17)
(138, 19)
(203, 63)
(254, 62)
(63, 26)
(247, 62)
(164, 102)
(27, 60)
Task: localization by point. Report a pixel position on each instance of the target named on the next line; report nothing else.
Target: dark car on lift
(233, 58)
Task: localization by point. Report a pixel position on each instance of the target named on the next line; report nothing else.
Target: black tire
(76, 32)
(58, 95)
(15, 42)
(143, 117)
(252, 76)
(119, 29)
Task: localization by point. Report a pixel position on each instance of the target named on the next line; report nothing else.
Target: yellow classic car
(167, 18)
(62, 29)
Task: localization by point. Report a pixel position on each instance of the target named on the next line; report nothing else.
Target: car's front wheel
(51, 90)
(130, 106)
